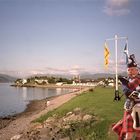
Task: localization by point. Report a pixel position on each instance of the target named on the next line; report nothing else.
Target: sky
(66, 36)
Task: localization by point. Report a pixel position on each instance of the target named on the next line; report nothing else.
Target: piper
(130, 123)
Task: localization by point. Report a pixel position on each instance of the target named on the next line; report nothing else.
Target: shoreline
(33, 111)
(8, 117)
(52, 86)
(31, 103)
(31, 107)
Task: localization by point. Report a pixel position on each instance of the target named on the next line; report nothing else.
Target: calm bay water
(15, 99)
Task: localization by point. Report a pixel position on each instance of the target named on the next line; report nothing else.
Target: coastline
(35, 109)
(51, 86)
(33, 106)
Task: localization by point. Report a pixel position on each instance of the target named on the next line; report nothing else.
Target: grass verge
(98, 103)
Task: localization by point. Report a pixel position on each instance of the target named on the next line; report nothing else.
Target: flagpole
(116, 64)
(117, 97)
(116, 60)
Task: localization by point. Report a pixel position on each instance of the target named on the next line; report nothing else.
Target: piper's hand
(123, 80)
(134, 95)
(128, 105)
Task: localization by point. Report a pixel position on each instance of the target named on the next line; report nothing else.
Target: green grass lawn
(99, 103)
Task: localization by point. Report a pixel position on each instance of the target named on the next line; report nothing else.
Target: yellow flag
(106, 55)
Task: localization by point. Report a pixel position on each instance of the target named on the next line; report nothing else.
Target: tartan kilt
(125, 125)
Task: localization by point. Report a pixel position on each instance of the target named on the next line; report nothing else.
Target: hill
(99, 75)
(85, 75)
(6, 78)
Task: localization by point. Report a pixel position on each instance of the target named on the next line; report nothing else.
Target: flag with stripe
(106, 55)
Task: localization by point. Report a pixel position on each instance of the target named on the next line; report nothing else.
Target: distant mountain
(85, 75)
(100, 75)
(96, 76)
(6, 78)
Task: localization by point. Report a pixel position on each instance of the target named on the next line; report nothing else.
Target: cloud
(121, 66)
(116, 7)
(51, 69)
(121, 62)
(74, 70)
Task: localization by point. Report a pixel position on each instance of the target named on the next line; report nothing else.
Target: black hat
(132, 62)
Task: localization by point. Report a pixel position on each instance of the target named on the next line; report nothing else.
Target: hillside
(85, 75)
(6, 78)
(100, 75)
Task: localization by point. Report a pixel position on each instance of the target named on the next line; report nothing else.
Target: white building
(59, 83)
(24, 81)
